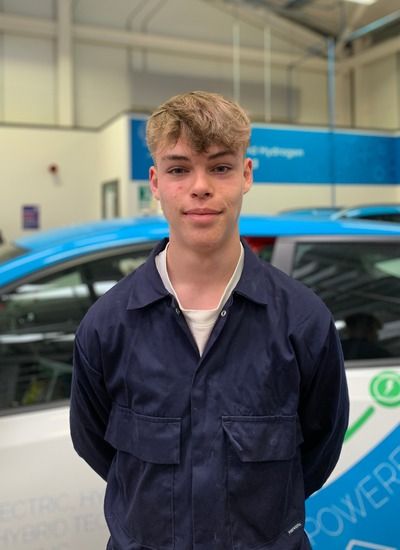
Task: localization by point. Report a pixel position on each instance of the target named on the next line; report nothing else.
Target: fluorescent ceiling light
(364, 2)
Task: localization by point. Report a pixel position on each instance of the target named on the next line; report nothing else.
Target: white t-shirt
(200, 321)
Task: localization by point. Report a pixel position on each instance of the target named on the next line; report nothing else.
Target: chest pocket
(264, 479)
(140, 489)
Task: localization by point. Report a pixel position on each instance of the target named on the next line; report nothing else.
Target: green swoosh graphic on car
(385, 390)
(351, 430)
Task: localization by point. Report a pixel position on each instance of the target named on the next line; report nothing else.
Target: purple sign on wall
(30, 217)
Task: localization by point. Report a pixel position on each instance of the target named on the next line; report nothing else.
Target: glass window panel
(360, 283)
(38, 320)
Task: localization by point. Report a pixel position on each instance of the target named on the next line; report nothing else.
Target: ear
(154, 182)
(247, 174)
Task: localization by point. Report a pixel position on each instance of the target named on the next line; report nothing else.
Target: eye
(177, 170)
(222, 169)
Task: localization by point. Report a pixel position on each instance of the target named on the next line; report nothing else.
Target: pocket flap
(262, 438)
(150, 438)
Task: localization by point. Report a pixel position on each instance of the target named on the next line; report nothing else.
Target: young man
(209, 388)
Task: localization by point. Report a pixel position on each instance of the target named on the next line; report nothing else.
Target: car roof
(60, 245)
(368, 210)
(93, 232)
(312, 211)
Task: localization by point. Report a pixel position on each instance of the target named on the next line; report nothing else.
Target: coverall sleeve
(89, 411)
(324, 413)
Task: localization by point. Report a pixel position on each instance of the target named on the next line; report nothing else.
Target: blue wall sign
(290, 156)
(307, 156)
(301, 156)
(140, 160)
(365, 159)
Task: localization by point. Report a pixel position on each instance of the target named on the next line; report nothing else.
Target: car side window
(360, 284)
(38, 320)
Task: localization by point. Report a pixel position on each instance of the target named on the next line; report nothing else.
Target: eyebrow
(174, 157)
(214, 156)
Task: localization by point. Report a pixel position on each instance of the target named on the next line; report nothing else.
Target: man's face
(200, 193)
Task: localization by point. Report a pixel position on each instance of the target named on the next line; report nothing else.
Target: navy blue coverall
(215, 452)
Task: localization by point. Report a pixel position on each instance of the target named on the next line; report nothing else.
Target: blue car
(51, 500)
(323, 211)
(378, 212)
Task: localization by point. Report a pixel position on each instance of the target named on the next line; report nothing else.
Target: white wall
(101, 84)
(344, 101)
(351, 195)
(85, 160)
(377, 94)
(28, 91)
(113, 161)
(69, 197)
(313, 108)
(269, 199)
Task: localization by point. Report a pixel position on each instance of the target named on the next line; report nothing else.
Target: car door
(359, 280)
(50, 499)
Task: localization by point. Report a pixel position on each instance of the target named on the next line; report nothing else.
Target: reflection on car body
(389, 212)
(324, 211)
(47, 284)
(379, 212)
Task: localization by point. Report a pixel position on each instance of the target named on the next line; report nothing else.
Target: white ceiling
(328, 17)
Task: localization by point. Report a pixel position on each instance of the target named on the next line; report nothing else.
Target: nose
(201, 186)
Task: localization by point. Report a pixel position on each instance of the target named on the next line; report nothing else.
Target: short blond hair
(203, 119)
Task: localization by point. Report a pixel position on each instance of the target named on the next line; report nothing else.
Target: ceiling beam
(27, 26)
(374, 26)
(261, 16)
(384, 49)
(32, 26)
(150, 42)
(351, 24)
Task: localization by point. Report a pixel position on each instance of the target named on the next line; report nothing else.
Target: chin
(207, 242)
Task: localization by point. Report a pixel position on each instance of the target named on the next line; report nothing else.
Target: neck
(199, 277)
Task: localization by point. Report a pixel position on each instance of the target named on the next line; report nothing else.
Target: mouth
(202, 212)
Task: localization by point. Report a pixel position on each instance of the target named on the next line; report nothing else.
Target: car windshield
(8, 251)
